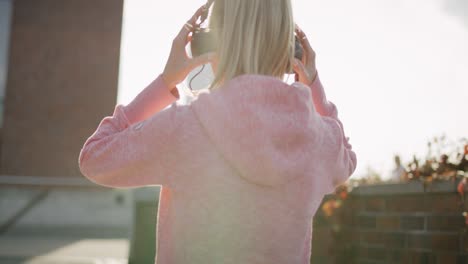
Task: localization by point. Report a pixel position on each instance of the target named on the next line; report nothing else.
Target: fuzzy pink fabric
(243, 169)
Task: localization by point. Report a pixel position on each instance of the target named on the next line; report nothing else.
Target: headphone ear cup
(298, 53)
(202, 42)
(298, 49)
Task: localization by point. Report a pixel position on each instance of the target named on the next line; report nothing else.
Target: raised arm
(338, 155)
(140, 144)
(128, 147)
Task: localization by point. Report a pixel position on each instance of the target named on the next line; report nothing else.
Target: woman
(244, 167)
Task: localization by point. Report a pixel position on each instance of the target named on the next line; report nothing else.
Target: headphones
(203, 41)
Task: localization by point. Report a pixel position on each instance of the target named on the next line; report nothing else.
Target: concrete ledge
(65, 207)
(69, 231)
(61, 250)
(40, 181)
(411, 187)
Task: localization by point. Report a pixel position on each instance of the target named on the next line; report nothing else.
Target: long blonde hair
(252, 37)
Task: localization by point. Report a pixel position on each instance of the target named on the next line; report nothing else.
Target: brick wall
(394, 223)
(62, 80)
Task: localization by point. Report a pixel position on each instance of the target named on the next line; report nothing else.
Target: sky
(396, 69)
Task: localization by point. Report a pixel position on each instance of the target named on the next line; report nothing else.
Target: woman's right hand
(305, 68)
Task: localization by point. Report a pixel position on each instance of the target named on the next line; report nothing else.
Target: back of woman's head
(252, 37)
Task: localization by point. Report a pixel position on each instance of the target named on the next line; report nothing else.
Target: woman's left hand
(179, 64)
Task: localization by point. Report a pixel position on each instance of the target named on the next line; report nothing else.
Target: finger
(181, 40)
(185, 30)
(204, 14)
(299, 31)
(198, 13)
(296, 27)
(305, 54)
(201, 60)
(300, 69)
(189, 38)
(300, 35)
(307, 47)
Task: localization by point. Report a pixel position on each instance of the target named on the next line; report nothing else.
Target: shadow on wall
(458, 8)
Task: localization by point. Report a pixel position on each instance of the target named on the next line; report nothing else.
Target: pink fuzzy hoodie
(243, 169)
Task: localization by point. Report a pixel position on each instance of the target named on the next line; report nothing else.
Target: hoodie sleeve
(128, 146)
(336, 151)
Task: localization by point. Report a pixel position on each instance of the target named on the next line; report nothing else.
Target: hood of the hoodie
(262, 126)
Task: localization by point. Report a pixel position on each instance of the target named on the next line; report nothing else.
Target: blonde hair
(252, 37)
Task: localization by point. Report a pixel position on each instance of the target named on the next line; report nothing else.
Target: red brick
(446, 223)
(444, 257)
(357, 204)
(406, 203)
(390, 240)
(374, 238)
(62, 80)
(444, 203)
(413, 257)
(464, 241)
(388, 222)
(375, 204)
(397, 255)
(419, 241)
(366, 221)
(412, 223)
(445, 242)
(395, 240)
(320, 220)
(347, 235)
(322, 240)
(361, 252)
(348, 218)
(434, 241)
(377, 253)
